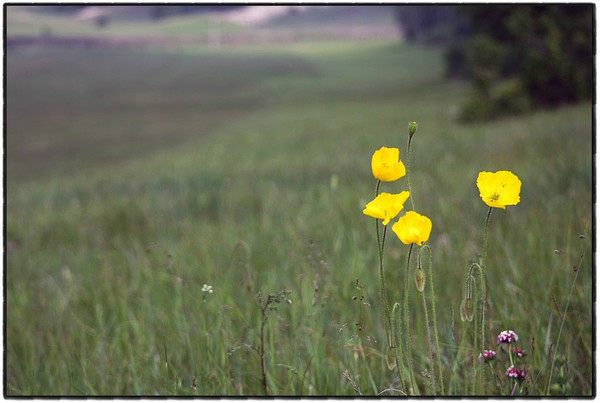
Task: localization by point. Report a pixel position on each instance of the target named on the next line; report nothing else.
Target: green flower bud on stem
(412, 129)
(420, 279)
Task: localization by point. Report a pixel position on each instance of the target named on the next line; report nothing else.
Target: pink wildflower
(512, 372)
(507, 336)
(520, 353)
(487, 355)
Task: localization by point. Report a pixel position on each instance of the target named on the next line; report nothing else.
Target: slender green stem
(476, 321)
(386, 307)
(384, 299)
(484, 290)
(166, 365)
(475, 344)
(435, 331)
(398, 346)
(412, 204)
(562, 322)
(431, 364)
(407, 322)
(380, 245)
(262, 345)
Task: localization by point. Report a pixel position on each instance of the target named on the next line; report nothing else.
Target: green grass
(133, 178)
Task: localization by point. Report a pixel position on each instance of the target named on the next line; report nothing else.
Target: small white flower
(207, 288)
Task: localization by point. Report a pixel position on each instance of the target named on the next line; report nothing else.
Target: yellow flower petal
(499, 189)
(413, 227)
(386, 164)
(386, 206)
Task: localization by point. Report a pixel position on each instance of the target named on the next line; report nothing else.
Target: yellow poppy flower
(413, 227)
(499, 189)
(386, 164)
(386, 206)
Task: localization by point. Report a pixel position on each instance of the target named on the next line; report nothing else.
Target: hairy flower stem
(474, 318)
(384, 300)
(428, 339)
(398, 344)
(412, 204)
(406, 321)
(475, 343)
(397, 339)
(484, 290)
(435, 331)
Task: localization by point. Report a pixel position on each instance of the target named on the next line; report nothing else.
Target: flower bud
(412, 129)
(420, 279)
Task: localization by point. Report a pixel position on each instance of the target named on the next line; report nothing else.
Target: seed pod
(420, 278)
(390, 358)
(466, 310)
(463, 310)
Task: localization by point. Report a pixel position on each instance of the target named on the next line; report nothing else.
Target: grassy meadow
(134, 178)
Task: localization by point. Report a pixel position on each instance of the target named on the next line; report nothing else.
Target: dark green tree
(518, 57)
(521, 57)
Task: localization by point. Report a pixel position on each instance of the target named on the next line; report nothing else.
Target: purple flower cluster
(507, 337)
(487, 355)
(512, 372)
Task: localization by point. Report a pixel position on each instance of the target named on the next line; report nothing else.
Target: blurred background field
(146, 157)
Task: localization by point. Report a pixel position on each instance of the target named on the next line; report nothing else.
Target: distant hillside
(319, 16)
(222, 25)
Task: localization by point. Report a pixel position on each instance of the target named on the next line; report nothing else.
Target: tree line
(518, 57)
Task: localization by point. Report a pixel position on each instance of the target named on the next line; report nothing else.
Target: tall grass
(107, 254)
